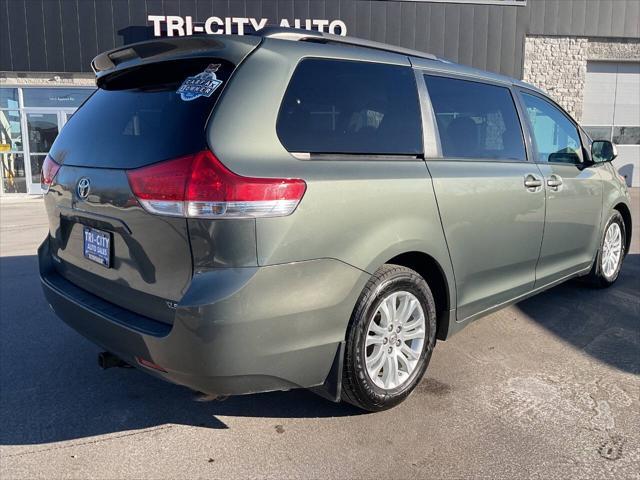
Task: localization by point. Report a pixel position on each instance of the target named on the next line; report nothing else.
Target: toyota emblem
(83, 188)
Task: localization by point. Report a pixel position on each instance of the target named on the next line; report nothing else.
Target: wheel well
(430, 270)
(626, 216)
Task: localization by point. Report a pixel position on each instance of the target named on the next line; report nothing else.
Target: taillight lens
(49, 171)
(201, 186)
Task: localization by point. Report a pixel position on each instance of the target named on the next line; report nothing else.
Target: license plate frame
(96, 246)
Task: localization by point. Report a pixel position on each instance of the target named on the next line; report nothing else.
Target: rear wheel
(612, 250)
(390, 339)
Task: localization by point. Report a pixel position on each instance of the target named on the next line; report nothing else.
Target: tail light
(201, 186)
(49, 171)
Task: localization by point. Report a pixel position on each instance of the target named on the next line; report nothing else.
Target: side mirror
(603, 151)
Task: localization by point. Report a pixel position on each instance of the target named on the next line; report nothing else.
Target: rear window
(144, 115)
(336, 106)
(476, 120)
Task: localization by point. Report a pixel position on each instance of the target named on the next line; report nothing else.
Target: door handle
(554, 181)
(532, 183)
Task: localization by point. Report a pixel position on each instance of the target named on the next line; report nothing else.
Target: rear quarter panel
(362, 212)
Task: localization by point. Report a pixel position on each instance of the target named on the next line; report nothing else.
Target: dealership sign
(175, 25)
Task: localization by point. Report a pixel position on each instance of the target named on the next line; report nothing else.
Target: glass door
(65, 115)
(43, 127)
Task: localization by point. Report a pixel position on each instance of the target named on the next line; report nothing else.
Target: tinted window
(557, 139)
(137, 118)
(475, 120)
(334, 106)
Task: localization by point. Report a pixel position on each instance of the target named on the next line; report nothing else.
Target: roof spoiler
(233, 48)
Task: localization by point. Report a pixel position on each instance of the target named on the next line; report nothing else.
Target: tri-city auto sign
(175, 25)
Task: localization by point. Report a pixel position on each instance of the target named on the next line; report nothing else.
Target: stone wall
(558, 65)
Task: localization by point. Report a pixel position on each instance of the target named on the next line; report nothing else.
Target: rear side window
(335, 106)
(144, 115)
(476, 120)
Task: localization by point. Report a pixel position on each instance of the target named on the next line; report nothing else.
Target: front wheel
(390, 339)
(612, 250)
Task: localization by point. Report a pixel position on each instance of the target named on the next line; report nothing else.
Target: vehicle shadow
(603, 323)
(51, 388)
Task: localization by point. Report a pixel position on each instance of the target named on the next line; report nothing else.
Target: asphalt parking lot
(548, 388)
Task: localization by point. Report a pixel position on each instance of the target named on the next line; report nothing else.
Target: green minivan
(289, 209)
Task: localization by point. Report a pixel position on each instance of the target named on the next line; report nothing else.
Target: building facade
(585, 53)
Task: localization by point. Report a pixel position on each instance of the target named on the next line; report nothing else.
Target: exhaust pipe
(109, 360)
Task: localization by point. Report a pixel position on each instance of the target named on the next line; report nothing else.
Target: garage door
(611, 111)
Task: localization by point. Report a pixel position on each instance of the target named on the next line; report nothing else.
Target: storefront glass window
(55, 97)
(10, 130)
(12, 168)
(8, 98)
(23, 147)
(13, 173)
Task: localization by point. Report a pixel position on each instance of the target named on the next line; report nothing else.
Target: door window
(556, 137)
(43, 130)
(475, 120)
(337, 106)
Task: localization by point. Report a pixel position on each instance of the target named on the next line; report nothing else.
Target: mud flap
(331, 389)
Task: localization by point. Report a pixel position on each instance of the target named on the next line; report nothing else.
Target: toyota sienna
(288, 209)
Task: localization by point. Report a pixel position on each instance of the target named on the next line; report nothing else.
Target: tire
(599, 277)
(400, 287)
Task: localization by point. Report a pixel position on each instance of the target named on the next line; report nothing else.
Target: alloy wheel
(611, 250)
(395, 339)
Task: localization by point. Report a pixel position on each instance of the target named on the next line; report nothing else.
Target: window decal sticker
(201, 85)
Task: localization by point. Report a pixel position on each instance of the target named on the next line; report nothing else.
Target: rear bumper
(236, 331)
